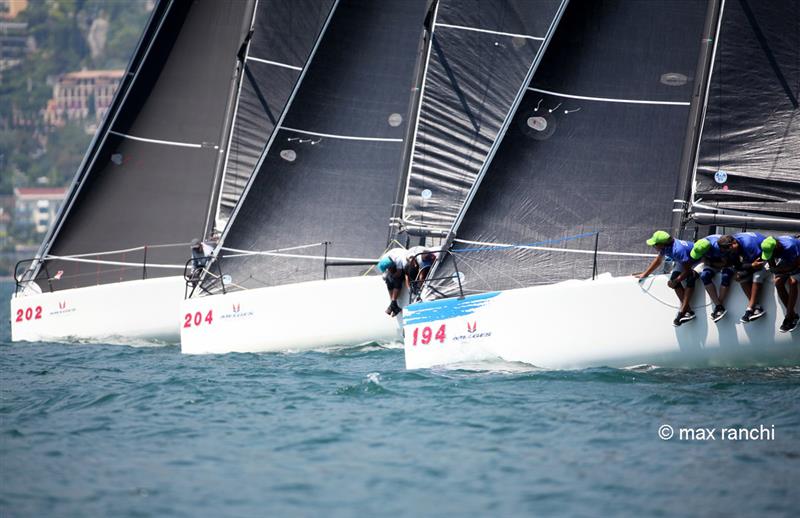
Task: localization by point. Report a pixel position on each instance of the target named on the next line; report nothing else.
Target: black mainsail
(481, 57)
(594, 147)
(283, 34)
(150, 176)
(749, 158)
(331, 172)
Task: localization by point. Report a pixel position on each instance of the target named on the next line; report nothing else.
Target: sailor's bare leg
(792, 298)
(780, 288)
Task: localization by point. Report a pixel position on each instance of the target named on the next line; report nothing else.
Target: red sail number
(29, 314)
(427, 334)
(197, 318)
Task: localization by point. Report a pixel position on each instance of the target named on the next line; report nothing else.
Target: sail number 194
(426, 335)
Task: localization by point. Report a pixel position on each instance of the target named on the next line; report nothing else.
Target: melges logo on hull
(237, 312)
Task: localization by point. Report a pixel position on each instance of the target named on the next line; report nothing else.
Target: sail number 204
(197, 318)
(425, 334)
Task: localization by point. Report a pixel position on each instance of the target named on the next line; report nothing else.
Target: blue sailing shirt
(714, 253)
(790, 249)
(749, 245)
(679, 251)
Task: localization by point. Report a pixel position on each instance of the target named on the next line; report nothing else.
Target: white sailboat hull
(610, 321)
(294, 317)
(129, 312)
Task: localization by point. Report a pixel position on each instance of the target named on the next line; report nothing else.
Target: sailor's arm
(654, 264)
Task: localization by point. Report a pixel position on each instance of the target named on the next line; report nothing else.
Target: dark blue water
(94, 430)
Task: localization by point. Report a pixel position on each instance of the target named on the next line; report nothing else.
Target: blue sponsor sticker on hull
(445, 308)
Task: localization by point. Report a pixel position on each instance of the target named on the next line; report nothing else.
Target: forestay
(594, 147)
(481, 56)
(150, 179)
(748, 157)
(332, 170)
(283, 34)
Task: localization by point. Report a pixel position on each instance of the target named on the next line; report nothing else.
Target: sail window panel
(570, 167)
(147, 193)
(182, 94)
(285, 31)
(472, 79)
(333, 169)
(632, 45)
(751, 131)
(354, 93)
(335, 190)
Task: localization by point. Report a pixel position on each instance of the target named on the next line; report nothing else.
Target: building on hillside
(82, 97)
(13, 44)
(9, 9)
(36, 207)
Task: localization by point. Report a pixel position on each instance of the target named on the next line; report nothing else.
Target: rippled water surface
(120, 431)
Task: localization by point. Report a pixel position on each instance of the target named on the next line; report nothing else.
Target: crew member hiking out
(714, 261)
(683, 276)
(419, 262)
(392, 265)
(750, 272)
(783, 255)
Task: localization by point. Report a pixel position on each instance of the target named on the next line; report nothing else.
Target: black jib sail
(150, 178)
(332, 171)
(481, 57)
(749, 156)
(283, 34)
(595, 147)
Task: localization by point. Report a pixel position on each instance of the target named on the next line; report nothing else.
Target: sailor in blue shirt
(714, 260)
(750, 272)
(683, 276)
(783, 255)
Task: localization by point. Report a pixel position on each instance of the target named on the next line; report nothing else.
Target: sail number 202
(29, 314)
(197, 318)
(426, 335)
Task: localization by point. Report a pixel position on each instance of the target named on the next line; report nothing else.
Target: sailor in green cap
(679, 252)
(714, 261)
(783, 256)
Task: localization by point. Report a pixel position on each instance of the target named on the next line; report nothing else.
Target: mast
(691, 147)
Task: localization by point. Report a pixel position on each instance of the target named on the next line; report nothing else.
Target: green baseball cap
(659, 238)
(700, 248)
(768, 248)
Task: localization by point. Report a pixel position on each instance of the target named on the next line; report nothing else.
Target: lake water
(109, 430)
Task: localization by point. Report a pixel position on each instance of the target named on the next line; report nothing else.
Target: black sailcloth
(594, 147)
(749, 157)
(284, 32)
(480, 56)
(332, 172)
(151, 180)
